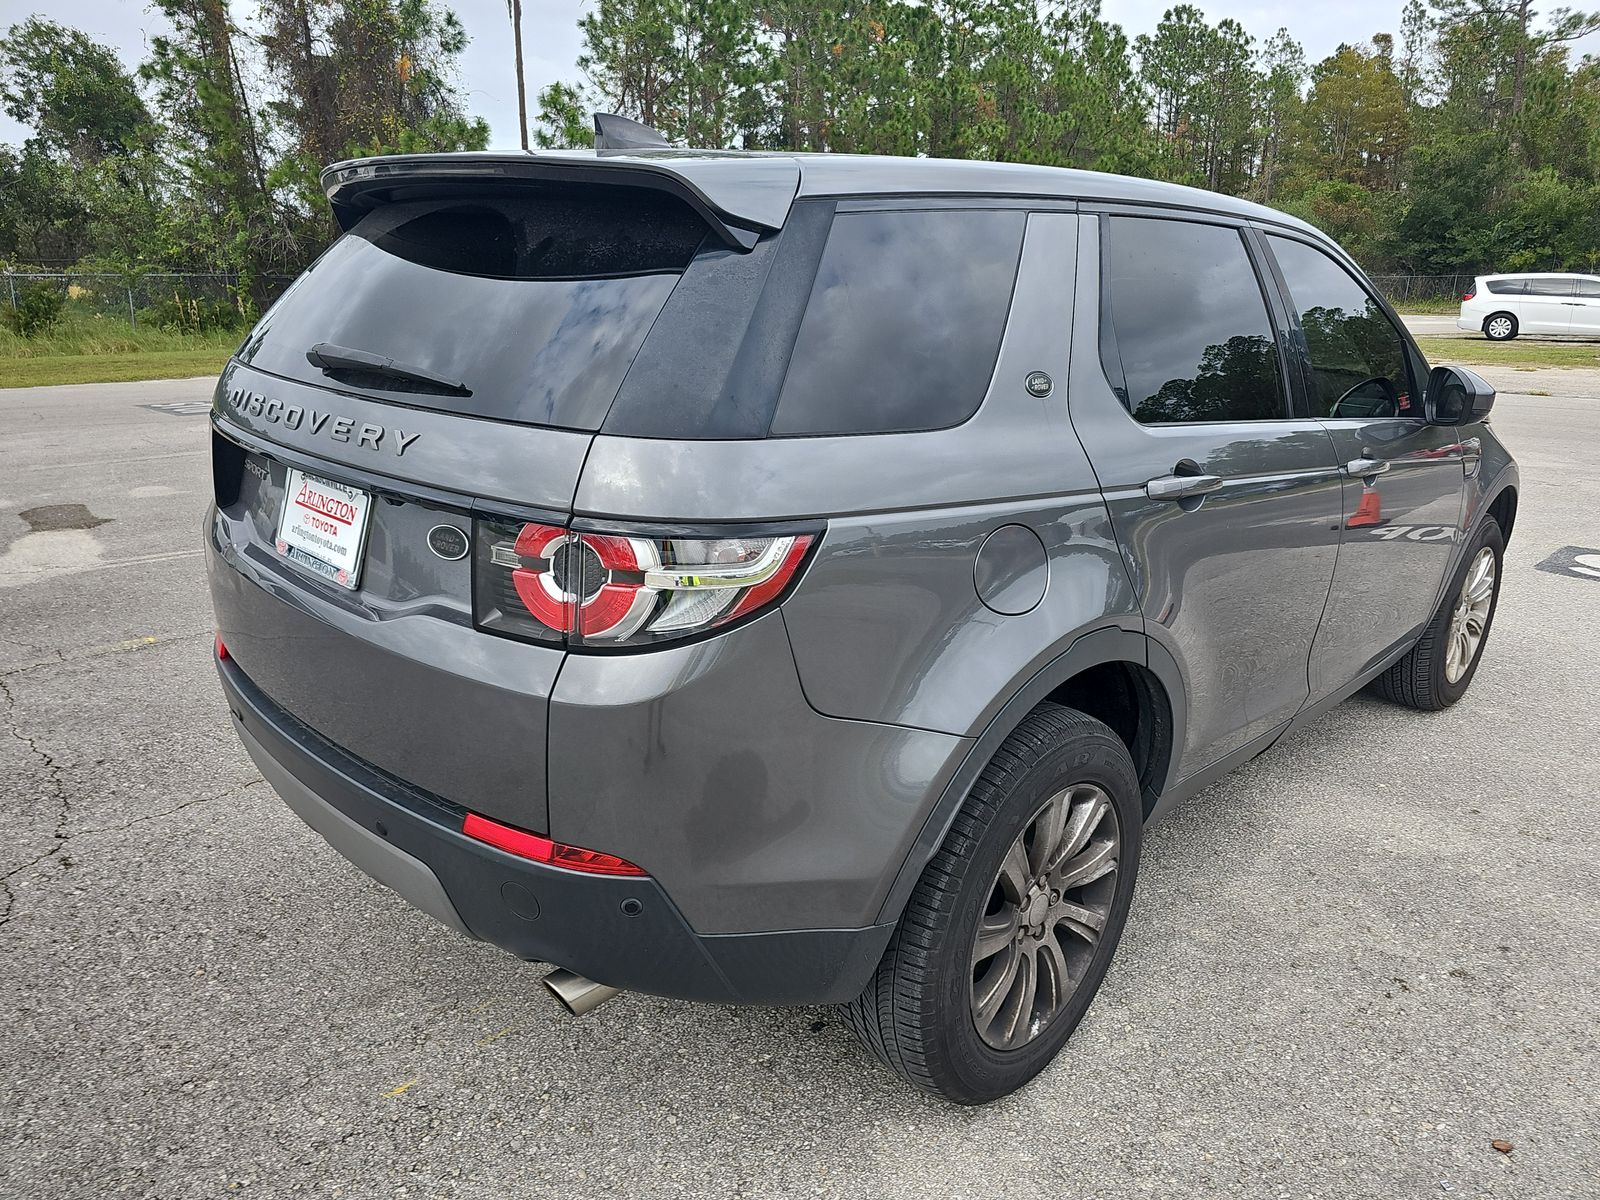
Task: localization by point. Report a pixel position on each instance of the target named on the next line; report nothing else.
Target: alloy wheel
(1046, 909)
(1500, 327)
(1470, 619)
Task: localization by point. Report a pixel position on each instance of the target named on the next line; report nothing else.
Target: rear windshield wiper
(345, 360)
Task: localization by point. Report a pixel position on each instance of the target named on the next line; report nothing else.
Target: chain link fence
(1418, 289)
(169, 299)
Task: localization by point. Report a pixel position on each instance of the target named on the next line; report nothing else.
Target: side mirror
(1457, 396)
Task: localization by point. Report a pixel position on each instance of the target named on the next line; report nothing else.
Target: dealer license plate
(323, 527)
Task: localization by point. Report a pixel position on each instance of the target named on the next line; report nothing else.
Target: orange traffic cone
(1369, 511)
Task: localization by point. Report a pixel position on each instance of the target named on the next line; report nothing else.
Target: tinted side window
(903, 326)
(1549, 287)
(1358, 360)
(1589, 287)
(1192, 341)
(1508, 287)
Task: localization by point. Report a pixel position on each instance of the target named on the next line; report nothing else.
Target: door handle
(1362, 468)
(1181, 487)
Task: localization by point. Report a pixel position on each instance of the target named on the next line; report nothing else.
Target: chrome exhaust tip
(577, 994)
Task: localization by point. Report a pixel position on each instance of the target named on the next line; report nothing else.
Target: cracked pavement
(1350, 966)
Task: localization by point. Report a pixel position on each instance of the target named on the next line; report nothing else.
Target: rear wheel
(1013, 924)
(1501, 327)
(1437, 671)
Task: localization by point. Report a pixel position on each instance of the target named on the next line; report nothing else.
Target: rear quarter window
(904, 321)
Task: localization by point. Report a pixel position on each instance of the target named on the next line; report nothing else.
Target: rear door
(1404, 479)
(1226, 504)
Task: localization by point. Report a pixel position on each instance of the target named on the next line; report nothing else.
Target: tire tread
(889, 1017)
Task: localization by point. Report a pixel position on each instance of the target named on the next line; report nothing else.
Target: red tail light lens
(222, 651)
(541, 849)
(621, 589)
(1465, 296)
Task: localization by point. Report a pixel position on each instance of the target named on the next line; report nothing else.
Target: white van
(1502, 306)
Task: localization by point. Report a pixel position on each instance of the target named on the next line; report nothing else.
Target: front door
(1225, 504)
(1404, 479)
(1586, 309)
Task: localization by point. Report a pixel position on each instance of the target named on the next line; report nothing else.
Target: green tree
(73, 93)
(196, 75)
(1282, 69)
(564, 118)
(688, 69)
(356, 78)
(1354, 125)
(1203, 86)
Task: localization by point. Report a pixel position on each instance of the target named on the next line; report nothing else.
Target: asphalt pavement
(1433, 325)
(1351, 967)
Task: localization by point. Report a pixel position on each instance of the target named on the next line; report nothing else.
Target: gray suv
(781, 579)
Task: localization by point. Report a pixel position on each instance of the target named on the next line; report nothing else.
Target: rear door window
(1192, 340)
(1549, 287)
(1358, 359)
(1508, 287)
(535, 303)
(904, 322)
(1589, 287)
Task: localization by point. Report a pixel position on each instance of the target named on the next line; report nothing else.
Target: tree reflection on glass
(1358, 363)
(1236, 380)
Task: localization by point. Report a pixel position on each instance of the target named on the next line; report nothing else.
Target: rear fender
(1106, 645)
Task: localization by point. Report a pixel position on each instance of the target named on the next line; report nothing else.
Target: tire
(1423, 678)
(1500, 327)
(920, 1012)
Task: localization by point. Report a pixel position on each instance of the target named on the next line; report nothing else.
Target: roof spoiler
(739, 196)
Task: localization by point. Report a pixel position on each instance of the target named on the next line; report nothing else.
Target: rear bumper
(412, 842)
(1472, 324)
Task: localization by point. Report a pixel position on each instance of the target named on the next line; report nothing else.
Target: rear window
(535, 303)
(903, 325)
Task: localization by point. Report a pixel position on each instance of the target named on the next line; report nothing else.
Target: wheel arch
(1116, 675)
(1503, 508)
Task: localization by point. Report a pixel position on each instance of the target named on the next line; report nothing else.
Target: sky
(550, 40)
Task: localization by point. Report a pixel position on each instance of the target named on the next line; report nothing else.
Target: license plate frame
(323, 526)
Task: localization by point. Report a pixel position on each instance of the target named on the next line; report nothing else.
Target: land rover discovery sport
(778, 579)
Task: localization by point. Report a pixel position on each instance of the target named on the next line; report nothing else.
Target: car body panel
(397, 678)
(1399, 529)
(705, 765)
(417, 449)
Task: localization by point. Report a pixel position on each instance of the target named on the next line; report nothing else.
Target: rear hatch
(439, 371)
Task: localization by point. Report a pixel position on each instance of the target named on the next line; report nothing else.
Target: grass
(92, 348)
(46, 369)
(1444, 305)
(1481, 352)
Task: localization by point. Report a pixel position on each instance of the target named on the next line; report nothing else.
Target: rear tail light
(624, 589)
(539, 848)
(1465, 296)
